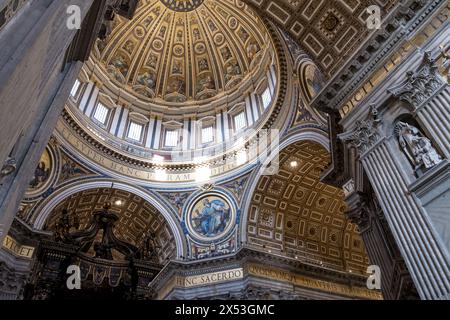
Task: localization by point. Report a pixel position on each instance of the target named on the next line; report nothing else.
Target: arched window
(171, 139)
(75, 89)
(101, 113)
(135, 131)
(266, 98)
(239, 121)
(207, 134)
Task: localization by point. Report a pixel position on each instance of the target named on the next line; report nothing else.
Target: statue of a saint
(417, 147)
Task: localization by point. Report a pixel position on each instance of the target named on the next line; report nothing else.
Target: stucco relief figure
(196, 35)
(152, 61)
(176, 86)
(212, 218)
(120, 68)
(206, 83)
(177, 68)
(417, 148)
(232, 71)
(147, 79)
(252, 50)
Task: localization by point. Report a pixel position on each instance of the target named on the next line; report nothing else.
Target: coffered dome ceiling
(181, 51)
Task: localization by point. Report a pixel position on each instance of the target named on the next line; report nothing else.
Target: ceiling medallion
(211, 216)
(182, 5)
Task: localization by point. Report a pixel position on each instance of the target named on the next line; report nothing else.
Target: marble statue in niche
(417, 147)
(211, 217)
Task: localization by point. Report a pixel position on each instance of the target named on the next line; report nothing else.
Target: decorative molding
(272, 269)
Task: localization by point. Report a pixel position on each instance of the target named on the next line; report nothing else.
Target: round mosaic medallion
(210, 217)
(182, 5)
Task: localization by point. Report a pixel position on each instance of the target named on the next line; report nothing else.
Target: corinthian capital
(365, 133)
(420, 85)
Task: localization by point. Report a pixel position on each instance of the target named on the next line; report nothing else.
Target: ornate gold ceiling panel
(329, 30)
(294, 213)
(136, 218)
(179, 51)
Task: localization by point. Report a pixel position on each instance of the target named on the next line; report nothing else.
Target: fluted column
(365, 212)
(426, 260)
(384, 143)
(435, 115)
